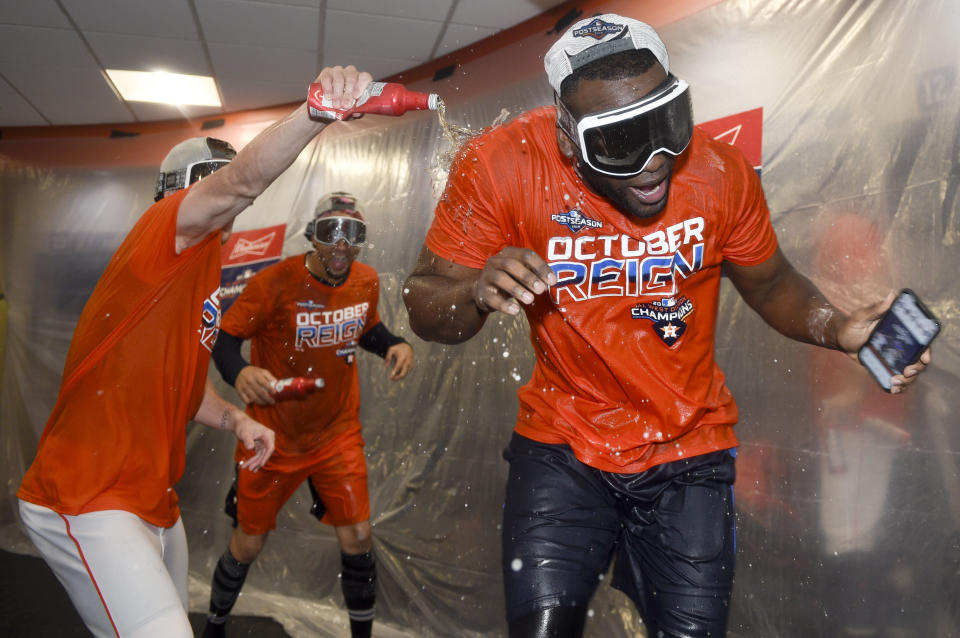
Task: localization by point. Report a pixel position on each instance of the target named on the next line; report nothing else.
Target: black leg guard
(555, 622)
(359, 580)
(228, 578)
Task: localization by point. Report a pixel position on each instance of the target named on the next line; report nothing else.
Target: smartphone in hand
(898, 340)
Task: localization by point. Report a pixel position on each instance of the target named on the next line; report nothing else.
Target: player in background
(624, 439)
(306, 317)
(98, 500)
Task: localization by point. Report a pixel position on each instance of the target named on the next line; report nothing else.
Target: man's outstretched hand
(855, 331)
(254, 436)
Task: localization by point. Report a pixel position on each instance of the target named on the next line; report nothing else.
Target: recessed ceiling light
(165, 88)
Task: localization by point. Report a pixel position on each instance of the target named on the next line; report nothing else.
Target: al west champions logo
(210, 320)
(667, 316)
(349, 352)
(576, 220)
(597, 29)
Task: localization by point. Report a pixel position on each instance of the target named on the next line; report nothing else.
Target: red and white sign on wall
(246, 253)
(743, 130)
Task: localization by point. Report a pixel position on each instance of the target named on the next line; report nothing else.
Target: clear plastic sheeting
(848, 500)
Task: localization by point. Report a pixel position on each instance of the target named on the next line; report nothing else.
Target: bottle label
(374, 89)
(320, 107)
(327, 114)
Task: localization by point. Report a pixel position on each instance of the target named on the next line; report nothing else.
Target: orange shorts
(337, 471)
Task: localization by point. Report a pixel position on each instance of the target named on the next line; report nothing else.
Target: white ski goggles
(622, 141)
(330, 230)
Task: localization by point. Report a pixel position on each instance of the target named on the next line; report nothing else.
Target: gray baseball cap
(191, 160)
(597, 37)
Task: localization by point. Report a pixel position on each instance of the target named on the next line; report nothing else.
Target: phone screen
(899, 339)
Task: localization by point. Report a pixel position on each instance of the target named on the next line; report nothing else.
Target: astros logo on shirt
(667, 316)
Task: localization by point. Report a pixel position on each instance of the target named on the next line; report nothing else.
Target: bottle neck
(415, 100)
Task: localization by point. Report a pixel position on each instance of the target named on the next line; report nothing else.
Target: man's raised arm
(216, 200)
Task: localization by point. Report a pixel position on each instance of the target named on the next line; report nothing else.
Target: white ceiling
(261, 52)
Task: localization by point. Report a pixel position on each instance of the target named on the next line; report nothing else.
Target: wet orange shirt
(134, 377)
(301, 327)
(625, 371)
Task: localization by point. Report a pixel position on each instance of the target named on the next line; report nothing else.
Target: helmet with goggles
(620, 142)
(337, 218)
(191, 161)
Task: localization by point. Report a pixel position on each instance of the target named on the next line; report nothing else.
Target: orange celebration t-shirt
(625, 371)
(302, 327)
(134, 377)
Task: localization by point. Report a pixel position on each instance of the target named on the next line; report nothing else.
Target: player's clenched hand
(254, 436)
(399, 359)
(512, 275)
(855, 331)
(343, 85)
(255, 385)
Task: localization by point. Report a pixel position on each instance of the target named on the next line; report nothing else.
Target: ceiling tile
(299, 3)
(500, 14)
(263, 24)
(418, 9)
(261, 64)
(378, 36)
(15, 111)
(43, 46)
(378, 67)
(147, 112)
(263, 52)
(67, 95)
(38, 13)
(460, 35)
(241, 94)
(168, 19)
(141, 53)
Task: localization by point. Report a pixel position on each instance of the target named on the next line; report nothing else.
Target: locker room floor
(34, 605)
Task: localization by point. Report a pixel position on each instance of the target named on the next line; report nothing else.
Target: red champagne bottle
(381, 98)
(293, 387)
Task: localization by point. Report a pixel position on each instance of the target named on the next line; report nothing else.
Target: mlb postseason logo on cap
(594, 38)
(597, 29)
